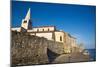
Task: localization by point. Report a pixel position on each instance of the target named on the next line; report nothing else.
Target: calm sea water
(92, 53)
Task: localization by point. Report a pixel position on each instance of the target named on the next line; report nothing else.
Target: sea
(92, 53)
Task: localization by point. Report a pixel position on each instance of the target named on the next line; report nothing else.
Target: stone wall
(29, 50)
(26, 49)
(56, 47)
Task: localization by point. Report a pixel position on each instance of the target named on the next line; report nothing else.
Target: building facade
(49, 32)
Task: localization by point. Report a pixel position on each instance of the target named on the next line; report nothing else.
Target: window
(25, 21)
(48, 29)
(43, 29)
(60, 38)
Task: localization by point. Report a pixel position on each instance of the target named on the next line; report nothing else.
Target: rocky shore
(71, 58)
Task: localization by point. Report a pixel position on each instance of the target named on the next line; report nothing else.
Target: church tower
(26, 22)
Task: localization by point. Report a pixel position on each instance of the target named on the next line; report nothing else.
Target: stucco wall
(43, 29)
(58, 35)
(16, 29)
(73, 42)
(45, 35)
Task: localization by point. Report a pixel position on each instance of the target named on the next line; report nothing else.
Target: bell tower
(26, 22)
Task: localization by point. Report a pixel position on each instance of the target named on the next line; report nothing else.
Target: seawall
(32, 50)
(27, 49)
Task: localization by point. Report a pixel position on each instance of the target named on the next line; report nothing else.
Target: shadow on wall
(51, 55)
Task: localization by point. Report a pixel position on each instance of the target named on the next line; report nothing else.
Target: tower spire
(26, 22)
(28, 14)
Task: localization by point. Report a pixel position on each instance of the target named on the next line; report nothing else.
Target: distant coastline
(92, 54)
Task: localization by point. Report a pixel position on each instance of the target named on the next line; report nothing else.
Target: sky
(77, 20)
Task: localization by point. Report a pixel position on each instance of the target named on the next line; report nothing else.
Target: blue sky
(78, 20)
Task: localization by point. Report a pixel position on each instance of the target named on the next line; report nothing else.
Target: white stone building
(49, 32)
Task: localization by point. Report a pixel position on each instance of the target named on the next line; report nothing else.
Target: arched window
(25, 21)
(48, 29)
(60, 38)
